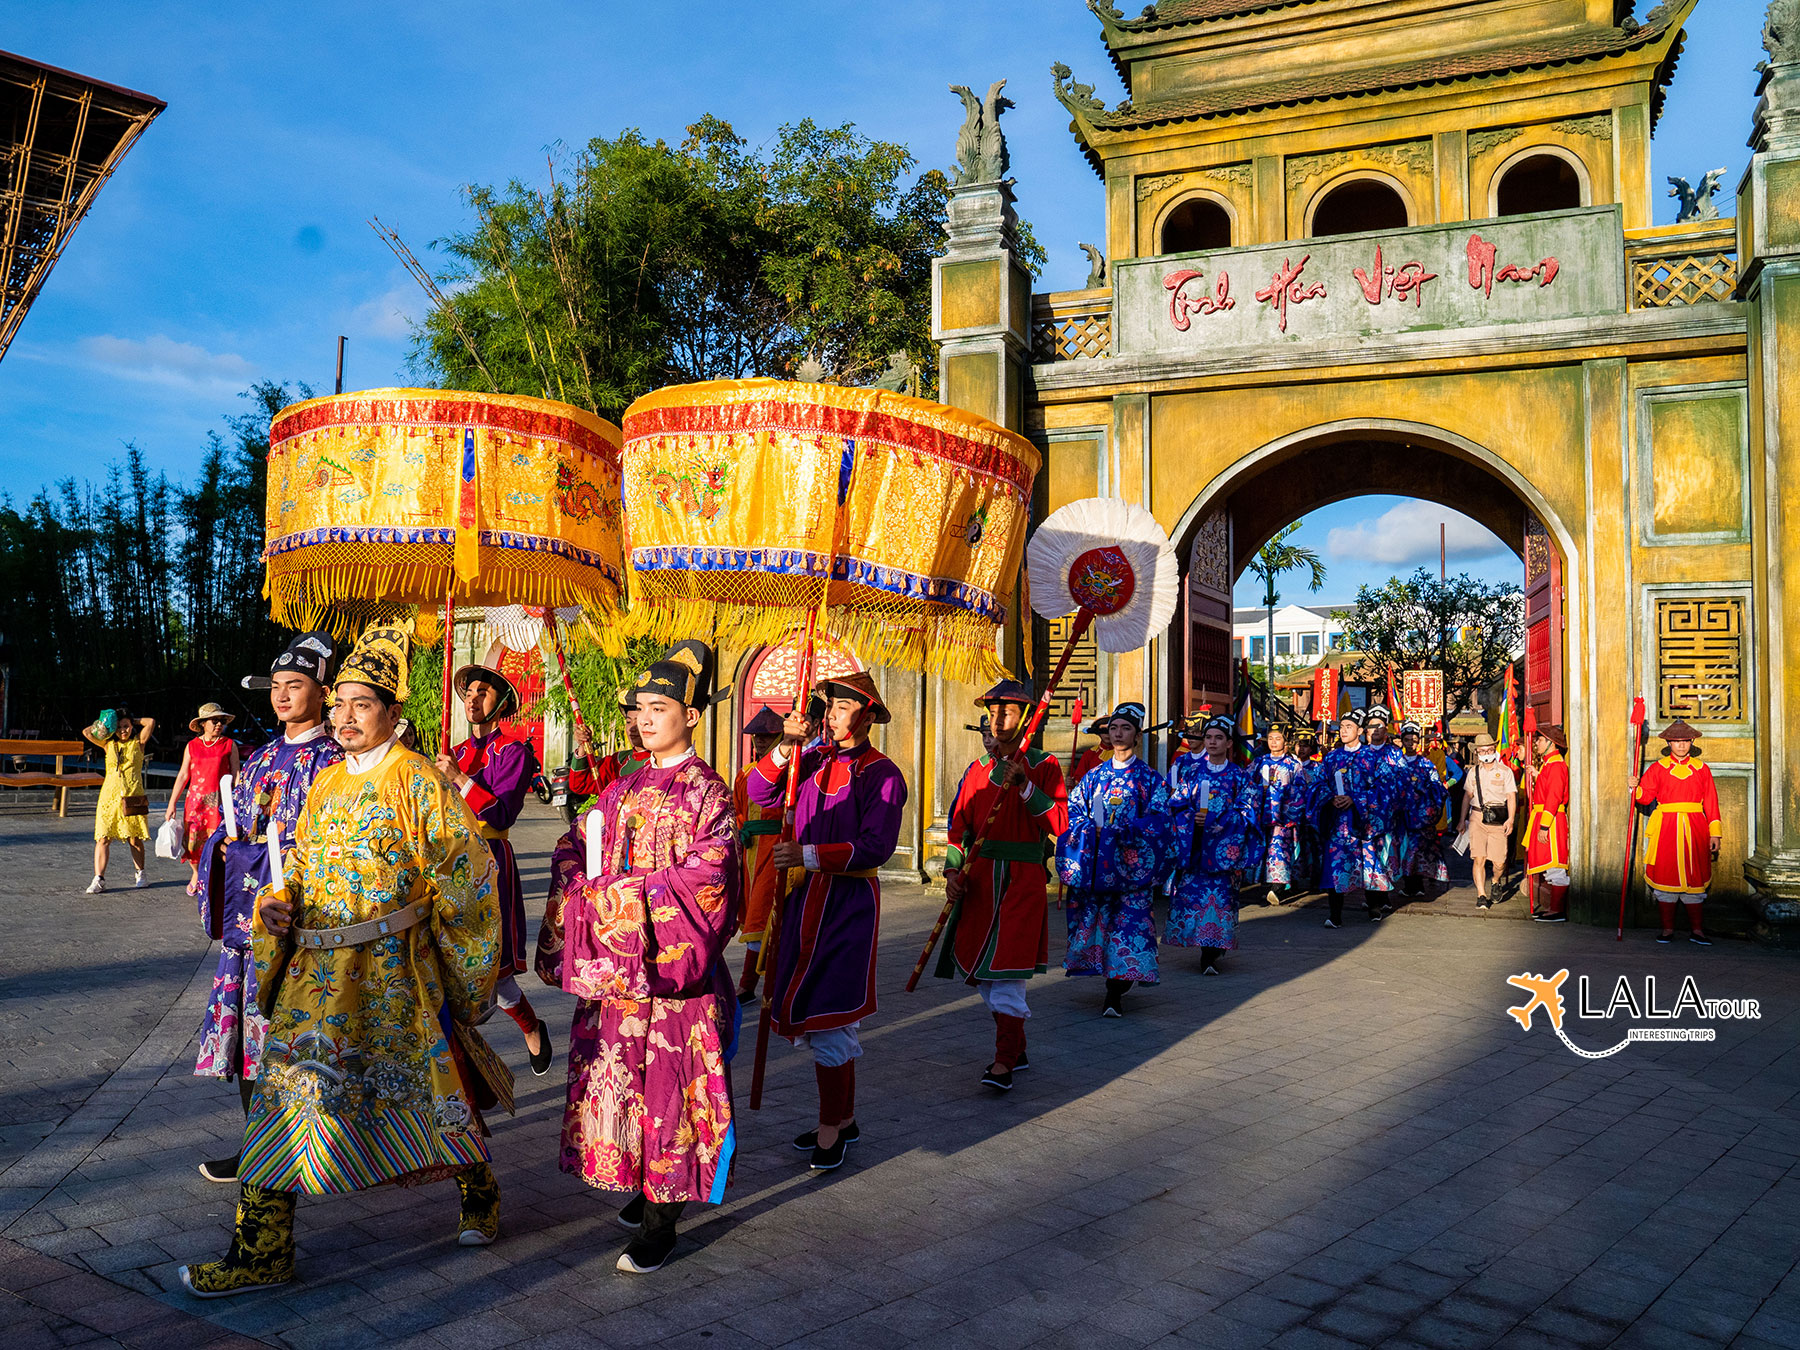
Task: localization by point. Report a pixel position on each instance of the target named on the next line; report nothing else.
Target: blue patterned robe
(1419, 852)
(1281, 790)
(1118, 847)
(1212, 857)
(1383, 843)
(271, 786)
(1353, 843)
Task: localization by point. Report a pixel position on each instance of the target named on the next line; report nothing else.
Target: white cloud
(1408, 533)
(390, 315)
(160, 359)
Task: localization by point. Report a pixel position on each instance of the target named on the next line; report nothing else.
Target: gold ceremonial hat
(380, 660)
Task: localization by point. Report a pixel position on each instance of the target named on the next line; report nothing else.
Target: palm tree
(1273, 559)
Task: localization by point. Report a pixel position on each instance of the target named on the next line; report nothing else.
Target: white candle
(276, 878)
(594, 856)
(1340, 783)
(227, 807)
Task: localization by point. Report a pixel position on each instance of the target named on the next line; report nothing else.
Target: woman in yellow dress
(124, 811)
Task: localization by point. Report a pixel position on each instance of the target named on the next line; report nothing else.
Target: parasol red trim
(448, 412)
(856, 424)
(1102, 580)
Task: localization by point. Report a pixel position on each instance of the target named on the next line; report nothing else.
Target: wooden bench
(59, 781)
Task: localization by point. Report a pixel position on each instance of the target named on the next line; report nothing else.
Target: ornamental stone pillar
(1769, 284)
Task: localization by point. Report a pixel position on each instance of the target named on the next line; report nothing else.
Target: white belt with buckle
(352, 935)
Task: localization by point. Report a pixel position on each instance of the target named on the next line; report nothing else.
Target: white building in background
(1303, 633)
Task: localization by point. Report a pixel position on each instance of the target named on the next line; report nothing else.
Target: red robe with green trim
(1011, 942)
(1678, 852)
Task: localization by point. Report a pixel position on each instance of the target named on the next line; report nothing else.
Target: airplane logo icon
(1546, 993)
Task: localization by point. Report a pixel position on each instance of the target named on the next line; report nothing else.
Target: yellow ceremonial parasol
(762, 509)
(900, 523)
(387, 500)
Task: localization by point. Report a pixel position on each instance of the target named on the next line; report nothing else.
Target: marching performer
(375, 941)
(636, 928)
(1213, 802)
(1117, 850)
(1547, 827)
(1306, 749)
(1345, 797)
(1685, 830)
(846, 825)
(1281, 786)
(234, 864)
(757, 828)
(1384, 768)
(999, 934)
(588, 777)
(1418, 854)
(493, 770)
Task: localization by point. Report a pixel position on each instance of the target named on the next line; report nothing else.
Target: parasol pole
(1074, 759)
(562, 669)
(766, 957)
(1083, 617)
(1637, 771)
(449, 643)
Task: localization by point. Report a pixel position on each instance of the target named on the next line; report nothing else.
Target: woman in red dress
(205, 761)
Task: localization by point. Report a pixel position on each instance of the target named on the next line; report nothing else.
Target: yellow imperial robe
(359, 1084)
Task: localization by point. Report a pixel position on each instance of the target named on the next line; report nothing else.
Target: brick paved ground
(1343, 1142)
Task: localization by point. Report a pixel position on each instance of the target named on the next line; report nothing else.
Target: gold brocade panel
(1700, 659)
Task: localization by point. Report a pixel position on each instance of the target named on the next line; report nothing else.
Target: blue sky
(232, 244)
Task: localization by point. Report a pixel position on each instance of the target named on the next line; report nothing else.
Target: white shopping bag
(168, 839)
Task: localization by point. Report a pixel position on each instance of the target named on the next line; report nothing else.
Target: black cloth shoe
(1548, 917)
(540, 1062)
(1664, 939)
(1700, 939)
(632, 1216)
(1021, 1062)
(747, 996)
(994, 1078)
(809, 1141)
(648, 1251)
(1333, 923)
(828, 1159)
(220, 1169)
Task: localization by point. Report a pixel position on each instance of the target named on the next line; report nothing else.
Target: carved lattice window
(1700, 659)
(1081, 680)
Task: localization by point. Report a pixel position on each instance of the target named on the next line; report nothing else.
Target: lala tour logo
(1546, 993)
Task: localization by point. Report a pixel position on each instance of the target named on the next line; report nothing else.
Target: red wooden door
(1206, 617)
(1543, 692)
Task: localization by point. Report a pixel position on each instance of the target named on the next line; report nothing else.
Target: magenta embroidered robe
(641, 946)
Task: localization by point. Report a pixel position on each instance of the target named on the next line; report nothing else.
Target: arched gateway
(1597, 390)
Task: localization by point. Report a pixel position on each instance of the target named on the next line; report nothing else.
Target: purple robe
(272, 785)
(848, 818)
(641, 946)
(502, 765)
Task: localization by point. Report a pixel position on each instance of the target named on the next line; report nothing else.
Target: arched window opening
(1195, 226)
(1357, 207)
(1538, 183)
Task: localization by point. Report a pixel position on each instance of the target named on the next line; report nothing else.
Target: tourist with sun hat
(210, 757)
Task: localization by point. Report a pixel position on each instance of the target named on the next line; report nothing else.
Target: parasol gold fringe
(340, 597)
(959, 647)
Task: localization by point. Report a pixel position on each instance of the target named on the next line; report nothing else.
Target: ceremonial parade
(725, 687)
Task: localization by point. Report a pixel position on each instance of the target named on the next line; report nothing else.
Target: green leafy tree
(1466, 628)
(1275, 559)
(644, 264)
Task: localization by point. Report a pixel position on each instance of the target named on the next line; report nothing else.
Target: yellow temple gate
(1392, 246)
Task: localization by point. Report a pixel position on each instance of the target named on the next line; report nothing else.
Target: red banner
(1422, 696)
(1327, 683)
